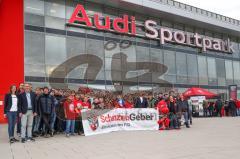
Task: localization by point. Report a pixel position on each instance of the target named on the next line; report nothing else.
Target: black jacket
(46, 104)
(23, 104)
(38, 111)
(172, 107)
(8, 102)
(139, 104)
(232, 104)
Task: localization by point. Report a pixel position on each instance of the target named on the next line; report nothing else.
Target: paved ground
(215, 138)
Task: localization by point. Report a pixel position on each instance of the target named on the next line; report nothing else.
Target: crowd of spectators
(46, 112)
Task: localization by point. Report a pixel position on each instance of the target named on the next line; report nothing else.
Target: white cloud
(229, 8)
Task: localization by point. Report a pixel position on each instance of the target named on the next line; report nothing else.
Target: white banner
(105, 121)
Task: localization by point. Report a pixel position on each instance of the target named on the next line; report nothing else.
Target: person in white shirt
(10, 111)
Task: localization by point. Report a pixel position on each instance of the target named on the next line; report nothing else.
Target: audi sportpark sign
(127, 25)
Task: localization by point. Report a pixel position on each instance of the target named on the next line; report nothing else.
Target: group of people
(46, 112)
(220, 108)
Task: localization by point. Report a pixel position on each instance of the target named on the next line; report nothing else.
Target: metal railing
(199, 11)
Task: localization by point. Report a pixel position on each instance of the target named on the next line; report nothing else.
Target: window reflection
(43, 53)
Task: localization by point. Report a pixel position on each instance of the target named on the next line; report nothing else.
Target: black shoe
(15, 140)
(31, 139)
(11, 140)
(46, 136)
(187, 126)
(23, 141)
(52, 133)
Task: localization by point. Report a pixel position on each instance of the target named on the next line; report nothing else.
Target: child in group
(70, 115)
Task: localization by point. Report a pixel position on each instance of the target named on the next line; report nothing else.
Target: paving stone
(215, 138)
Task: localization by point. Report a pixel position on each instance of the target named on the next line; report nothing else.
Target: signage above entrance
(127, 25)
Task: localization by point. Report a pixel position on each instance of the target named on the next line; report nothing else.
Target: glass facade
(57, 55)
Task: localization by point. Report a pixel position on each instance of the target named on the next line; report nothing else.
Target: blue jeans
(37, 120)
(12, 118)
(52, 120)
(185, 115)
(70, 125)
(238, 111)
(19, 125)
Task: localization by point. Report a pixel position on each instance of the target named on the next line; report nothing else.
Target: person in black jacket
(141, 102)
(27, 110)
(59, 111)
(232, 107)
(46, 105)
(172, 106)
(37, 119)
(11, 103)
(183, 109)
(19, 91)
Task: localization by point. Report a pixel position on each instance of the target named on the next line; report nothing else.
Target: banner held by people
(105, 121)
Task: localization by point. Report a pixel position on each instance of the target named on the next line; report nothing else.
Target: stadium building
(117, 45)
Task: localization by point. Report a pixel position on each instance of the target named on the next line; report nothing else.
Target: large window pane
(34, 70)
(221, 74)
(212, 73)
(130, 52)
(33, 19)
(55, 50)
(236, 70)
(55, 9)
(75, 46)
(144, 71)
(95, 47)
(34, 12)
(169, 61)
(192, 68)
(34, 48)
(181, 66)
(229, 72)
(34, 7)
(56, 23)
(142, 53)
(202, 70)
(77, 73)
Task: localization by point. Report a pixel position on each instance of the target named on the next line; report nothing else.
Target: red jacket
(238, 103)
(70, 110)
(162, 107)
(128, 104)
